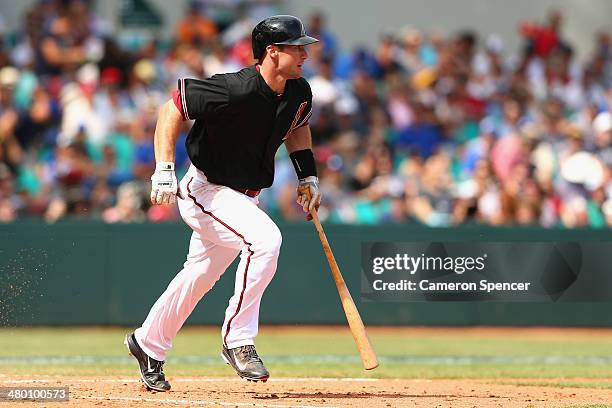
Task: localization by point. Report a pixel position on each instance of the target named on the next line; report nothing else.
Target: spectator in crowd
(196, 28)
(317, 27)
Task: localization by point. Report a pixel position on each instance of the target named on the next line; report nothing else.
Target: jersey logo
(295, 124)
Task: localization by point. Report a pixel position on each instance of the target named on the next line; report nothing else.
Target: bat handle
(315, 218)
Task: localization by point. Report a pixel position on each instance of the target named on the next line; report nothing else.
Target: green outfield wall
(83, 272)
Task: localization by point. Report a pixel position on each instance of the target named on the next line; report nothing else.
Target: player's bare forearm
(299, 139)
(299, 146)
(167, 131)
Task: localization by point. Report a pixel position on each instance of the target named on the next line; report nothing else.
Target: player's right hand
(163, 184)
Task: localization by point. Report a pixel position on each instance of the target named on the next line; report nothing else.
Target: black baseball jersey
(239, 125)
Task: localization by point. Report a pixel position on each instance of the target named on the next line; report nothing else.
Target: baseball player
(240, 121)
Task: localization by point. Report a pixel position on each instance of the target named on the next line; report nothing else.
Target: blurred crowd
(429, 127)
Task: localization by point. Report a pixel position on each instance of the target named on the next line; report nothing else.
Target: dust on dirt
(314, 392)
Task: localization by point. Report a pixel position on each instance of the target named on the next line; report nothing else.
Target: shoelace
(250, 353)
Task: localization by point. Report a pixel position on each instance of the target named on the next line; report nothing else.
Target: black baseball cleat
(151, 370)
(246, 362)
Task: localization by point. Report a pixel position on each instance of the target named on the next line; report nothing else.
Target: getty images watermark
(494, 271)
(458, 265)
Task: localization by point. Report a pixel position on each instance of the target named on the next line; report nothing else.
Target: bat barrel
(366, 351)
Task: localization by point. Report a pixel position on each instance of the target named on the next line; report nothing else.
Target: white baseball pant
(225, 222)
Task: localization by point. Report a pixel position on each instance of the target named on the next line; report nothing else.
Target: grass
(562, 384)
(329, 352)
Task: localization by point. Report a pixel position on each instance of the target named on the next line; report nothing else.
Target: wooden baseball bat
(368, 356)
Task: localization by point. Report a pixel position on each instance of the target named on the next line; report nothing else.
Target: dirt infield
(425, 357)
(312, 392)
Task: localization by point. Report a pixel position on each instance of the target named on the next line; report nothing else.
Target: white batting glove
(163, 184)
(309, 195)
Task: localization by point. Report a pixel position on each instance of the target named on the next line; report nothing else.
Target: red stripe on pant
(246, 269)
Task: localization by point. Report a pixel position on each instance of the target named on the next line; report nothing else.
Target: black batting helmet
(279, 30)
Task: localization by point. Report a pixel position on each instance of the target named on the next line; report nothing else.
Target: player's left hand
(163, 184)
(309, 195)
